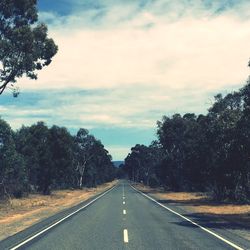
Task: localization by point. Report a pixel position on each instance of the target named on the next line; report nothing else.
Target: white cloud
(3, 109)
(119, 152)
(137, 106)
(167, 57)
(208, 53)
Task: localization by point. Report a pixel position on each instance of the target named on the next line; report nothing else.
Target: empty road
(125, 219)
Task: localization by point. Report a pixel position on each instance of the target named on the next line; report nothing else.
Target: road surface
(125, 219)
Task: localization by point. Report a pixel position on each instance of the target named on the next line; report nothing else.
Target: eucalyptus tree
(223, 134)
(96, 173)
(13, 179)
(141, 164)
(183, 139)
(241, 149)
(62, 153)
(134, 162)
(93, 162)
(83, 152)
(171, 133)
(24, 43)
(35, 146)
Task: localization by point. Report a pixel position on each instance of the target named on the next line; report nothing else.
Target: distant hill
(118, 163)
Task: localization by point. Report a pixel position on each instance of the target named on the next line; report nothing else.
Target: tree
(83, 153)
(13, 179)
(39, 159)
(172, 132)
(93, 161)
(34, 144)
(26, 146)
(100, 167)
(24, 45)
(142, 162)
(61, 148)
(241, 148)
(223, 138)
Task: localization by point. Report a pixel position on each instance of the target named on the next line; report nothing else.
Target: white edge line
(61, 220)
(124, 211)
(187, 219)
(125, 235)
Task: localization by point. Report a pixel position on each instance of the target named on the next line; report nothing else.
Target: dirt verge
(21, 213)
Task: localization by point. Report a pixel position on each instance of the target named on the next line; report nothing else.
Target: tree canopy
(38, 159)
(24, 43)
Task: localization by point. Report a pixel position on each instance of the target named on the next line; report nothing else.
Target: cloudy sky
(123, 64)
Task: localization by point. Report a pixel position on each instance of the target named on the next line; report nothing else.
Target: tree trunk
(80, 182)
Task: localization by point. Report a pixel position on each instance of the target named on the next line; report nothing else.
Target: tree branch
(3, 87)
(10, 78)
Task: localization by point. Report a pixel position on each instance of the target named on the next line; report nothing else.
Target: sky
(123, 64)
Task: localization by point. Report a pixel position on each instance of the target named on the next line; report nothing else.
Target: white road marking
(123, 197)
(124, 211)
(58, 222)
(123, 190)
(123, 202)
(125, 235)
(194, 223)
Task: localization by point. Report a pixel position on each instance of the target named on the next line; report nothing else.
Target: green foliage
(93, 161)
(62, 151)
(141, 164)
(34, 145)
(13, 179)
(24, 45)
(203, 153)
(38, 159)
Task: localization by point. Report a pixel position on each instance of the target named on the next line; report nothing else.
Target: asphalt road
(125, 219)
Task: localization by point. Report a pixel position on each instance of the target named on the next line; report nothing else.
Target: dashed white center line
(125, 235)
(125, 231)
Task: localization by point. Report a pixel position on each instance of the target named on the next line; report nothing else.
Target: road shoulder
(233, 224)
(48, 218)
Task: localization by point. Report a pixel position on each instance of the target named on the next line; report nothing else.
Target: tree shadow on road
(212, 221)
(213, 213)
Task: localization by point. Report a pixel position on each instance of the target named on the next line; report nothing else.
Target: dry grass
(181, 196)
(199, 202)
(22, 213)
(228, 209)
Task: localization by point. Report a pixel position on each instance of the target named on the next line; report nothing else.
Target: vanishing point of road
(123, 218)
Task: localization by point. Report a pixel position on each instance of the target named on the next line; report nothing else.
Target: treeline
(200, 153)
(39, 159)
